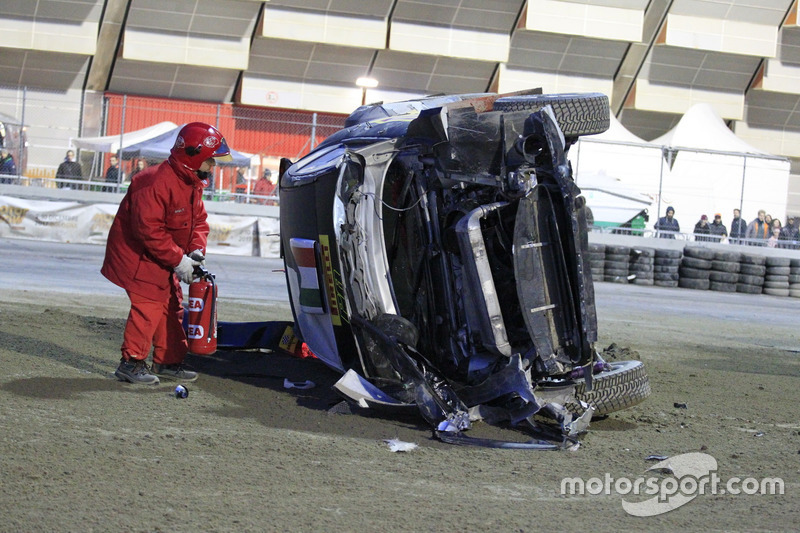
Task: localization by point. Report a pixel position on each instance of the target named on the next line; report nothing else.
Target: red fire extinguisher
(201, 331)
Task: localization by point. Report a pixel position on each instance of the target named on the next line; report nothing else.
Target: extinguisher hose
(213, 292)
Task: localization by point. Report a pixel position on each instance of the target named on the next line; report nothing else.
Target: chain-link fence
(96, 125)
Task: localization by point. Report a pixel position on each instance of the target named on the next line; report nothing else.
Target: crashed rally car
(434, 254)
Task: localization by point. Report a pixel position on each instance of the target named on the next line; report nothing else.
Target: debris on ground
(618, 353)
(397, 445)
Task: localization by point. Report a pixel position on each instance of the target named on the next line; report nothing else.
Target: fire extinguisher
(202, 324)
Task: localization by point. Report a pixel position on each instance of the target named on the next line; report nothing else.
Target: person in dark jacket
(738, 228)
(112, 174)
(7, 167)
(717, 228)
(667, 226)
(701, 230)
(69, 169)
(790, 235)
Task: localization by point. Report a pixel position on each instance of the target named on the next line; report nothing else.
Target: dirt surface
(80, 451)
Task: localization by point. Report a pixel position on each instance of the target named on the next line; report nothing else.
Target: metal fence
(53, 119)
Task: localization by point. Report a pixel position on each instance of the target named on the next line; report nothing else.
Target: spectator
(717, 228)
(768, 219)
(701, 230)
(772, 242)
(668, 226)
(264, 187)
(158, 236)
(738, 228)
(69, 169)
(241, 179)
(758, 230)
(7, 167)
(790, 234)
(776, 223)
(112, 174)
(139, 167)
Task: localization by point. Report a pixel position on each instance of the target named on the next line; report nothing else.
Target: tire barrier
(615, 269)
(794, 278)
(641, 266)
(597, 260)
(696, 267)
(665, 267)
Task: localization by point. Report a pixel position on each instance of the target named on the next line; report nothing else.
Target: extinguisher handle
(200, 272)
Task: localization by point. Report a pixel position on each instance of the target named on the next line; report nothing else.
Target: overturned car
(434, 254)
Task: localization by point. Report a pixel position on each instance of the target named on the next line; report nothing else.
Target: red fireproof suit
(161, 218)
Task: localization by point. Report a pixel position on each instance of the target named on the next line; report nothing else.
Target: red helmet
(197, 142)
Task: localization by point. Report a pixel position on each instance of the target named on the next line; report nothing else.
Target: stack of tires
(724, 275)
(752, 270)
(776, 282)
(616, 264)
(640, 266)
(665, 267)
(696, 268)
(597, 260)
(794, 278)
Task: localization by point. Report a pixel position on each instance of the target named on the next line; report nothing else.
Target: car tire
(723, 277)
(667, 261)
(694, 262)
(779, 262)
(746, 288)
(778, 271)
(751, 280)
(665, 283)
(693, 283)
(776, 292)
(666, 276)
(725, 266)
(577, 114)
(752, 259)
(626, 384)
(732, 257)
(668, 254)
(694, 273)
(752, 270)
(722, 286)
(698, 252)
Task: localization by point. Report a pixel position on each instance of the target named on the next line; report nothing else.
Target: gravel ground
(80, 451)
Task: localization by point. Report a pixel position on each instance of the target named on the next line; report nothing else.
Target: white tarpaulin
(111, 143)
(89, 223)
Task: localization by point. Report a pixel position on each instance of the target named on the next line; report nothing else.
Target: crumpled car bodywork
(434, 253)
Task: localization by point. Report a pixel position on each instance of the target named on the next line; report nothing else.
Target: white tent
(713, 171)
(112, 143)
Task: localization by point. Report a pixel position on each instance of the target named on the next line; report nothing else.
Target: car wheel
(624, 385)
(577, 114)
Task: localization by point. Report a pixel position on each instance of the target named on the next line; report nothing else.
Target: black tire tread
(624, 386)
(577, 114)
